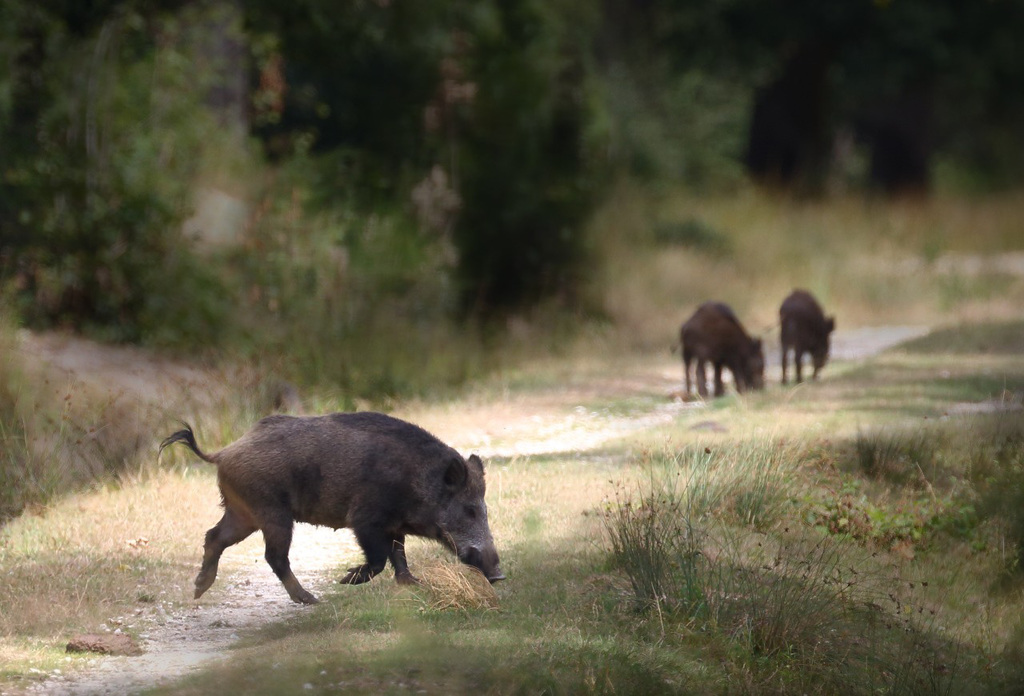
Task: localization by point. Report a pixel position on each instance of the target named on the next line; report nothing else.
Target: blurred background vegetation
(367, 195)
(370, 201)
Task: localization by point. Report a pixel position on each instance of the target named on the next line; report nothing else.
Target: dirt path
(198, 635)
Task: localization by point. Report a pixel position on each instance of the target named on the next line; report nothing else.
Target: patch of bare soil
(247, 595)
(120, 371)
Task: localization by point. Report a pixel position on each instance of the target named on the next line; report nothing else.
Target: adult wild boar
(714, 334)
(377, 475)
(805, 329)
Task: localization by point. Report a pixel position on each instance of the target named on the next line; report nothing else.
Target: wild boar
(805, 329)
(714, 334)
(380, 476)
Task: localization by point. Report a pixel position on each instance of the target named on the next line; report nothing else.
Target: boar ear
(830, 324)
(757, 344)
(455, 475)
(476, 462)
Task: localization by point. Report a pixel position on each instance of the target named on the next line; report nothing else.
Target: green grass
(870, 263)
(988, 338)
(760, 587)
(761, 590)
(860, 534)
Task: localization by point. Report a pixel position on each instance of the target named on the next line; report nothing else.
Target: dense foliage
(101, 132)
(482, 132)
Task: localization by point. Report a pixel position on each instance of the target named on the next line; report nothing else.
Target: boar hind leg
(719, 386)
(701, 375)
(687, 358)
(278, 538)
(377, 549)
(229, 531)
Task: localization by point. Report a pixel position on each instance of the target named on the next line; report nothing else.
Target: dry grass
(74, 413)
(870, 262)
(102, 553)
(117, 548)
(452, 586)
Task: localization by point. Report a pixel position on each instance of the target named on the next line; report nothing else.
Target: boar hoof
(407, 578)
(304, 597)
(357, 576)
(202, 585)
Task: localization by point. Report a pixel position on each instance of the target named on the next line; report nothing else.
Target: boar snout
(484, 560)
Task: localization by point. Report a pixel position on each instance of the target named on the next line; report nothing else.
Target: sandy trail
(182, 641)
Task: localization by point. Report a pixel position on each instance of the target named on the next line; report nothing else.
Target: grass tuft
(808, 612)
(901, 457)
(453, 586)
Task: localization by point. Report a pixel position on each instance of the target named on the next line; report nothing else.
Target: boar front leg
(376, 547)
(398, 562)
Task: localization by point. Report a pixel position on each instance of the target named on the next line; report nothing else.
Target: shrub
(99, 194)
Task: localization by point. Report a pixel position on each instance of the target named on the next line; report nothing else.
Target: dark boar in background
(714, 335)
(805, 329)
(377, 475)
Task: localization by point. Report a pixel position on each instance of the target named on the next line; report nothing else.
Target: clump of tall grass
(657, 538)
(814, 611)
(997, 468)
(659, 533)
(59, 434)
(898, 456)
(24, 477)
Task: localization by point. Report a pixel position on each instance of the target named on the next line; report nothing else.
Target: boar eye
(470, 512)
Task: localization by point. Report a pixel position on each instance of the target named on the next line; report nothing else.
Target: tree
(910, 78)
(497, 94)
(100, 142)
(528, 166)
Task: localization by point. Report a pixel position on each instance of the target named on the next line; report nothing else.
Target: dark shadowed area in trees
(465, 143)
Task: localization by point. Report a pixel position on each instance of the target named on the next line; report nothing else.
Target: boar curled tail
(188, 438)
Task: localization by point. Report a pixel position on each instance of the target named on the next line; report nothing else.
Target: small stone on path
(104, 643)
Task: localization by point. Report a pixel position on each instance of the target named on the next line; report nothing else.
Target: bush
(358, 304)
(676, 126)
(99, 195)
